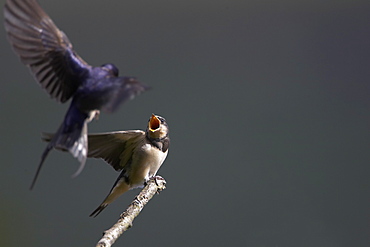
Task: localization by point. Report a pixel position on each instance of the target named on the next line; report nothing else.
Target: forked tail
(71, 136)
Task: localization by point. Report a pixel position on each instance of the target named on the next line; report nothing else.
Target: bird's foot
(94, 115)
(160, 185)
(156, 180)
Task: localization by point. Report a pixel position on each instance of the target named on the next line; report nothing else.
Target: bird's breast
(153, 157)
(146, 162)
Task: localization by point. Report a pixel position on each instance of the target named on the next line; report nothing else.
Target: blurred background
(268, 106)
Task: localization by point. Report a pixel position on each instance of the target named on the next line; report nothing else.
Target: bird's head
(111, 68)
(157, 127)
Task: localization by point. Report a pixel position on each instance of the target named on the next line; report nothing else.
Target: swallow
(49, 54)
(137, 154)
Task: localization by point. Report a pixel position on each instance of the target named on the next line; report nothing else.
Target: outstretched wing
(44, 48)
(123, 89)
(115, 148)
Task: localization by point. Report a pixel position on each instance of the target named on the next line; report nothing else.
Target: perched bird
(137, 154)
(64, 75)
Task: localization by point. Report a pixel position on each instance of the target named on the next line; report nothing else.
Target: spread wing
(126, 88)
(115, 148)
(44, 48)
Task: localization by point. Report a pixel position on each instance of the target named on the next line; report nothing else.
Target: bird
(64, 75)
(137, 154)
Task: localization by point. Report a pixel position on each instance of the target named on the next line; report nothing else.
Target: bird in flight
(64, 75)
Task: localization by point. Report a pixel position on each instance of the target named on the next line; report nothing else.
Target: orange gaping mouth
(154, 123)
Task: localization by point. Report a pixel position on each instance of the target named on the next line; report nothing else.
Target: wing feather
(126, 88)
(44, 49)
(114, 147)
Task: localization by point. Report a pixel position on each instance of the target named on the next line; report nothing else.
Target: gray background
(268, 106)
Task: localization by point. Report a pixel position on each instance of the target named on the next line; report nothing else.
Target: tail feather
(71, 136)
(43, 157)
(79, 150)
(46, 137)
(55, 142)
(98, 210)
(119, 187)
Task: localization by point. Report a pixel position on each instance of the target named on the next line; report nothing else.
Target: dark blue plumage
(48, 53)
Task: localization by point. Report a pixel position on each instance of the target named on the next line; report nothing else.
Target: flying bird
(137, 154)
(64, 75)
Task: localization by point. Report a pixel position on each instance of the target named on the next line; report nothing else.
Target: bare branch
(154, 185)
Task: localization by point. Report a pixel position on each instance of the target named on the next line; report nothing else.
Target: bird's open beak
(154, 123)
